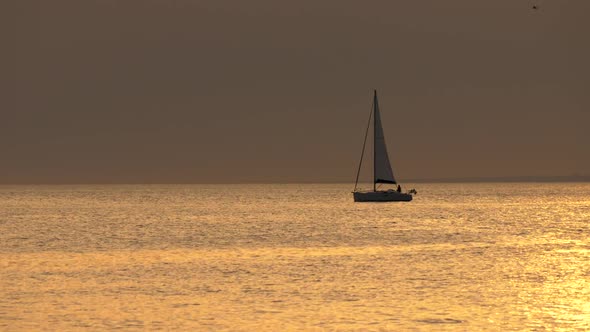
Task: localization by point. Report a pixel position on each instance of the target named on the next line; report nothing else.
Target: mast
(358, 172)
(374, 141)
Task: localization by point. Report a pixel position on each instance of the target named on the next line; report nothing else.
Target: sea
(294, 257)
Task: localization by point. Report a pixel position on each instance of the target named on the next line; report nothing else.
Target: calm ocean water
(461, 257)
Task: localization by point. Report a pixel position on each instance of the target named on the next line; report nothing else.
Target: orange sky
(238, 91)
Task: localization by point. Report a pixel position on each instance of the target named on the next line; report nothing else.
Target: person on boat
(399, 188)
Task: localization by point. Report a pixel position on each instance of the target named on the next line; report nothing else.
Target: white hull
(381, 196)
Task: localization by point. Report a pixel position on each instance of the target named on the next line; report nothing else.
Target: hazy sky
(271, 91)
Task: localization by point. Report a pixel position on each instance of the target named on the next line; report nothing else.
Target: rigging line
(358, 172)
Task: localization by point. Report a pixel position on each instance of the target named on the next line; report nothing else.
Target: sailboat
(382, 172)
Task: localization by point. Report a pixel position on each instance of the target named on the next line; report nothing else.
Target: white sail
(383, 172)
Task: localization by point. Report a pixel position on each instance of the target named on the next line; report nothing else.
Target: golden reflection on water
(175, 257)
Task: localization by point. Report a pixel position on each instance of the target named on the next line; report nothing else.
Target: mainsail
(382, 167)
